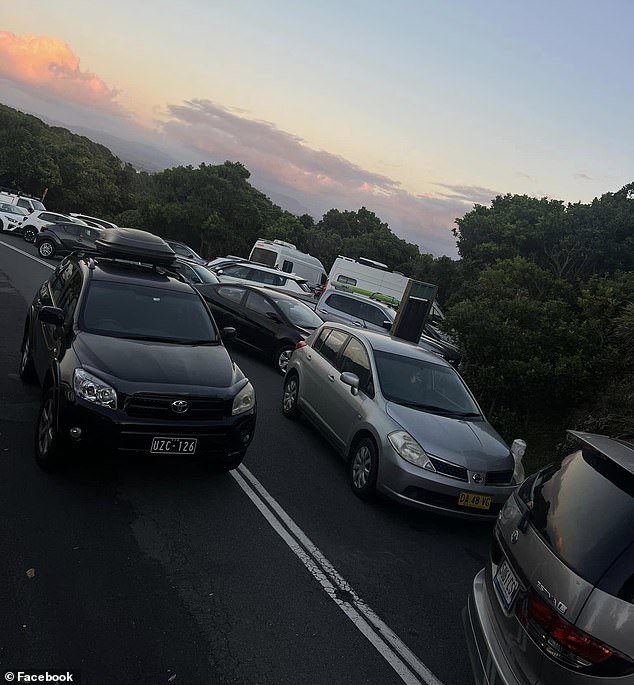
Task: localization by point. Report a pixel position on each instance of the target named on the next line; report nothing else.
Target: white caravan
(374, 279)
(284, 256)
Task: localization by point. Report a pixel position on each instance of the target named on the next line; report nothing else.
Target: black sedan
(265, 320)
(61, 239)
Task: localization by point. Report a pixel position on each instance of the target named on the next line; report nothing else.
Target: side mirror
(228, 334)
(518, 449)
(352, 380)
(273, 316)
(387, 325)
(52, 315)
(220, 272)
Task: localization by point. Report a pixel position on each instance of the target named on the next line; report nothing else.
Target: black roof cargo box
(134, 244)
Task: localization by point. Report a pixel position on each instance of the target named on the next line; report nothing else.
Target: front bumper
(417, 487)
(113, 430)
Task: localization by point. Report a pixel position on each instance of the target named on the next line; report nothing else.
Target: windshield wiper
(173, 341)
(467, 414)
(441, 410)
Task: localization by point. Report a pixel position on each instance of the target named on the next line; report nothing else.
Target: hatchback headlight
(92, 389)
(410, 450)
(244, 400)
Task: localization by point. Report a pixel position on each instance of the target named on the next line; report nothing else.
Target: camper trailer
(278, 254)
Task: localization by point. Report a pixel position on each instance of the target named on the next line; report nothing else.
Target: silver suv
(362, 312)
(555, 604)
(403, 418)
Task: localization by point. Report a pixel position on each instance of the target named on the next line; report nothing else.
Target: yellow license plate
(472, 499)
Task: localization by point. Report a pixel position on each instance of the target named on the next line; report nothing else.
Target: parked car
(186, 252)
(33, 224)
(363, 312)
(61, 239)
(555, 603)
(248, 272)
(92, 220)
(265, 320)
(404, 420)
(278, 254)
(194, 273)
(130, 359)
(11, 216)
(28, 202)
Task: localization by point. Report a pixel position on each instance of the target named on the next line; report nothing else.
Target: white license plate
(506, 585)
(173, 446)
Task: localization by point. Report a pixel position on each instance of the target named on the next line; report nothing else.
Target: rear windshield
(297, 312)
(146, 313)
(583, 508)
(262, 256)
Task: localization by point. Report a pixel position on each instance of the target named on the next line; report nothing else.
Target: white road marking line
(399, 654)
(396, 653)
(386, 633)
(26, 254)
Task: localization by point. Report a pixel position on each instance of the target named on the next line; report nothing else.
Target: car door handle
(331, 378)
(309, 357)
(324, 311)
(358, 324)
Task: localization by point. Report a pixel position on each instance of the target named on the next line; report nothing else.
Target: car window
(89, 233)
(59, 279)
(266, 278)
(236, 271)
(180, 250)
(346, 280)
(231, 293)
(333, 345)
(58, 218)
(355, 360)
(24, 203)
(187, 272)
(583, 509)
(204, 274)
(372, 314)
(297, 312)
(46, 216)
(71, 289)
(319, 340)
(263, 256)
(348, 305)
(287, 266)
(258, 304)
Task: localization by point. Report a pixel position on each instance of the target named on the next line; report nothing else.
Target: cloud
(582, 177)
(527, 177)
(317, 178)
(51, 68)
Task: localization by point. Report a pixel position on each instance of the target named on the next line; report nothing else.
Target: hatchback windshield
(146, 313)
(297, 313)
(416, 383)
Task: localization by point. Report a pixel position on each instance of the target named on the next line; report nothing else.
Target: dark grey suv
(556, 602)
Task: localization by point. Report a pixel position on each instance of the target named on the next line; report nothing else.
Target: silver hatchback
(403, 418)
(556, 602)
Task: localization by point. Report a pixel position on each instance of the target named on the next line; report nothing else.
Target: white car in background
(249, 272)
(33, 224)
(93, 221)
(11, 216)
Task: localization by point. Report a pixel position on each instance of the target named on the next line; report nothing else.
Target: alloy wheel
(45, 430)
(283, 358)
(46, 249)
(26, 349)
(361, 467)
(290, 395)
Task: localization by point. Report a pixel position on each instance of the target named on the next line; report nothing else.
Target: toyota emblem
(477, 478)
(180, 406)
(515, 536)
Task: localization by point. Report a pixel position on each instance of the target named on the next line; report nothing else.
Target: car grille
(160, 407)
(448, 469)
(499, 477)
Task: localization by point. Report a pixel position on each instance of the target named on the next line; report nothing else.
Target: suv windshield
(416, 383)
(297, 313)
(583, 509)
(146, 313)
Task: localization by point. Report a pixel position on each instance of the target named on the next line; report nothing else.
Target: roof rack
(18, 193)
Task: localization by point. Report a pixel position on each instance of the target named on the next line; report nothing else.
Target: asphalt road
(160, 572)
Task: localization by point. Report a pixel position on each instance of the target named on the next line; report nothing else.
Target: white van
(31, 204)
(278, 254)
(373, 279)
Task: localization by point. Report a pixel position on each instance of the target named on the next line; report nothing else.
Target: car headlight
(92, 389)
(244, 400)
(410, 450)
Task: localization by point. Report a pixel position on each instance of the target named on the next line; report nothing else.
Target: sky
(412, 108)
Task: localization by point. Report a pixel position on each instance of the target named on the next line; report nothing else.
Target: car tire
(282, 357)
(46, 249)
(29, 233)
(290, 396)
(363, 469)
(49, 450)
(228, 462)
(1, 226)
(27, 370)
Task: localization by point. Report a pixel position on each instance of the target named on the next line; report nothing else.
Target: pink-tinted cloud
(318, 179)
(50, 67)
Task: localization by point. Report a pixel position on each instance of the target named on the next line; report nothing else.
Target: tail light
(567, 644)
(300, 344)
(43, 228)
